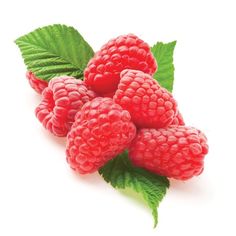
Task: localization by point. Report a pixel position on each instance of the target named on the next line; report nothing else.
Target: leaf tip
(155, 224)
(155, 217)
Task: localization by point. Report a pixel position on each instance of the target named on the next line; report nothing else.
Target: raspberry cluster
(120, 106)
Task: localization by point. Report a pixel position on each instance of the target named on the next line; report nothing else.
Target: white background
(40, 195)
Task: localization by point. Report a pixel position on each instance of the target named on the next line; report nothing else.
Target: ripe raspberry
(61, 100)
(149, 105)
(178, 120)
(124, 52)
(37, 84)
(102, 130)
(176, 152)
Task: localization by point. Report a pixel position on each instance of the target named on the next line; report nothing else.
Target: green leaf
(120, 173)
(55, 50)
(163, 53)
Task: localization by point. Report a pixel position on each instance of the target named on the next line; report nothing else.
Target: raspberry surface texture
(149, 105)
(37, 84)
(101, 131)
(176, 152)
(61, 100)
(102, 74)
(178, 120)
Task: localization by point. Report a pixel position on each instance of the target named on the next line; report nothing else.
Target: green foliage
(55, 50)
(163, 53)
(120, 173)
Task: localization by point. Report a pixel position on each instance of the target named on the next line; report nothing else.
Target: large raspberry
(124, 52)
(149, 105)
(37, 84)
(61, 100)
(102, 130)
(178, 120)
(176, 152)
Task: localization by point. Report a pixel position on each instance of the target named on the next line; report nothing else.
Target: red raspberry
(37, 84)
(61, 100)
(178, 120)
(149, 105)
(101, 131)
(176, 152)
(124, 52)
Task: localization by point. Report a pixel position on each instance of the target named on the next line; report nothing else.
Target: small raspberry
(61, 100)
(37, 84)
(101, 131)
(176, 152)
(124, 52)
(178, 120)
(149, 105)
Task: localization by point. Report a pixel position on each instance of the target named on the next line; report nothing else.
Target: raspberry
(61, 100)
(37, 84)
(178, 120)
(149, 105)
(176, 152)
(102, 130)
(124, 52)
